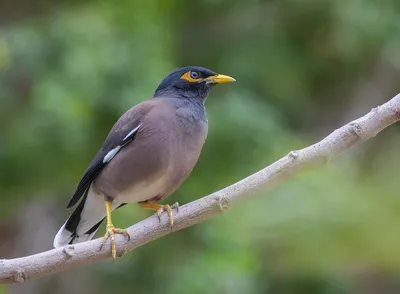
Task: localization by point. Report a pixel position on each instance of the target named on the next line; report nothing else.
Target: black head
(190, 82)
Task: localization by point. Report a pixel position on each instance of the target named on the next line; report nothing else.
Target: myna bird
(147, 155)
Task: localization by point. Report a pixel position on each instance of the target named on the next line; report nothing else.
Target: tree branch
(56, 260)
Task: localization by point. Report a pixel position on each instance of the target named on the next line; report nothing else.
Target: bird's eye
(194, 75)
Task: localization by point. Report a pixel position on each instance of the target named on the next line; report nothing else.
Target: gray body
(156, 163)
(167, 144)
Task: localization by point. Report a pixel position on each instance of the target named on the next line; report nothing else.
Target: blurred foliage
(69, 70)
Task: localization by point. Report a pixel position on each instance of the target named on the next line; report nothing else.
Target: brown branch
(56, 260)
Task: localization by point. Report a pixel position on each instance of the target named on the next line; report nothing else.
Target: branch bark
(56, 260)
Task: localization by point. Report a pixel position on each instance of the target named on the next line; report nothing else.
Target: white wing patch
(110, 155)
(132, 132)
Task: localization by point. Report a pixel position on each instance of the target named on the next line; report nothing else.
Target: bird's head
(190, 82)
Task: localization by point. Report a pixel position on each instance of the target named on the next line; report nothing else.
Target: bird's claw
(110, 233)
(168, 208)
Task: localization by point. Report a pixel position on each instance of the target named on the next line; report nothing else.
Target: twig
(56, 260)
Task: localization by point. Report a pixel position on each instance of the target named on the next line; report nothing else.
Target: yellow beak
(219, 79)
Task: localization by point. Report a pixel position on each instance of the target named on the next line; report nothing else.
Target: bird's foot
(161, 208)
(168, 208)
(110, 233)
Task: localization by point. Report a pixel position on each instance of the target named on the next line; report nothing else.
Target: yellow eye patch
(189, 76)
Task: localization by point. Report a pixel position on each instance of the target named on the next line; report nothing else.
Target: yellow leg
(161, 208)
(111, 231)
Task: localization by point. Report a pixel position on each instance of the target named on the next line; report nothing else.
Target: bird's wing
(123, 132)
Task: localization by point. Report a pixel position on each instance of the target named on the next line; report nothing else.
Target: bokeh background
(69, 69)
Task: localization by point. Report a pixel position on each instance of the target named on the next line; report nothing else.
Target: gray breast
(193, 127)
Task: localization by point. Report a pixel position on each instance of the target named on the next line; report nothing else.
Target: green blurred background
(69, 69)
